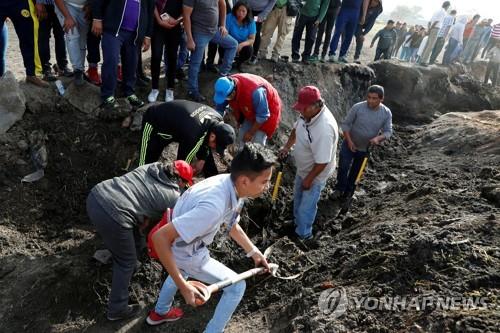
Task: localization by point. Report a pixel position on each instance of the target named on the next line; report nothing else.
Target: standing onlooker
(352, 13)
(281, 17)
(123, 26)
(469, 28)
(93, 55)
(386, 39)
(241, 26)
(71, 15)
(367, 123)
(326, 28)
(260, 8)
(415, 43)
(201, 19)
(493, 65)
(49, 22)
(494, 37)
(314, 135)
(455, 41)
(374, 10)
(448, 22)
(167, 32)
(405, 52)
(4, 40)
(310, 16)
(484, 38)
(434, 26)
(23, 16)
(472, 46)
(401, 33)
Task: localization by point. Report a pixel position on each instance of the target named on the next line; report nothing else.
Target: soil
(424, 221)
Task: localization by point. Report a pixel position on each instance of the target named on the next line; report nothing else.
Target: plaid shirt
(448, 21)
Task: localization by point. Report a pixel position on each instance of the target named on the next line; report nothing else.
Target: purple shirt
(131, 15)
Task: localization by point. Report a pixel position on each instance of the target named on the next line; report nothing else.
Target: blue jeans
(347, 22)
(259, 137)
(305, 206)
(111, 47)
(4, 39)
(210, 272)
(450, 48)
(405, 53)
(349, 166)
(201, 41)
(76, 39)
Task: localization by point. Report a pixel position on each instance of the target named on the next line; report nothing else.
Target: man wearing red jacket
(254, 102)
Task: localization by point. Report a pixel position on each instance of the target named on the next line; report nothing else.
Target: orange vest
(242, 104)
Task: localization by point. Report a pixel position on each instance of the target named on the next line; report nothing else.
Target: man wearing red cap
(120, 208)
(314, 138)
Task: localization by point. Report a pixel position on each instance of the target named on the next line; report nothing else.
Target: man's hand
(223, 31)
(283, 153)
(146, 43)
(97, 28)
(317, 23)
(307, 183)
(190, 294)
(41, 13)
(362, 20)
(352, 146)
(190, 45)
(376, 140)
(260, 260)
(69, 24)
(248, 136)
(238, 49)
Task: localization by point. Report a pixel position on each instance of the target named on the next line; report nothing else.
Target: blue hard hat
(223, 88)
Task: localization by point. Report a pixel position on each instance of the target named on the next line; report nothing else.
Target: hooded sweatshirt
(457, 30)
(144, 192)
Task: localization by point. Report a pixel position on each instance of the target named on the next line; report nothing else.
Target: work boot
(135, 101)
(131, 311)
(79, 78)
(93, 76)
(49, 76)
(154, 318)
(36, 81)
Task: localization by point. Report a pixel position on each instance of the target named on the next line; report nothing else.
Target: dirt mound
(424, 222)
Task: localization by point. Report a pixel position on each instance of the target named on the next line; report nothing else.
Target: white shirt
(439, 17)
(198, 215)
(316, 143)
(446, 25)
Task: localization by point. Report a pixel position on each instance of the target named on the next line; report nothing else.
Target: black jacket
(111, 13)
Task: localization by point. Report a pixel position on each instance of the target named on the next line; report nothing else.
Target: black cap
(225, 136)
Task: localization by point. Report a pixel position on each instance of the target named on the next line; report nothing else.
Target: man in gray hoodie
(121, 208)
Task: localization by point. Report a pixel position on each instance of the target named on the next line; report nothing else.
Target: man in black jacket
(123, 25)
(196, 127)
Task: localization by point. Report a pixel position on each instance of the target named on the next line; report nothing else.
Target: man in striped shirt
(448, 21)
(494, 37)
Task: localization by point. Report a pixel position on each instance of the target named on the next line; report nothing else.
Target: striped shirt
(448, 21)
(495, 32)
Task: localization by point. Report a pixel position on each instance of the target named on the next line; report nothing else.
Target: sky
(486, 8)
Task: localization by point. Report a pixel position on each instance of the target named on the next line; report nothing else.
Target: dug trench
(424, 221)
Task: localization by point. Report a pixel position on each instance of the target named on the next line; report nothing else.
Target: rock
(12, 102)
(40, 99)
(492, 194)
(23, 145)
(85, 98)
(418, 94)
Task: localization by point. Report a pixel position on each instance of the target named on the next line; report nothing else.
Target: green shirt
(281, 3)
(315, 8)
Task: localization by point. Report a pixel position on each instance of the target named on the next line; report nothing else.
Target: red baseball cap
(185, 171)
(307, 96)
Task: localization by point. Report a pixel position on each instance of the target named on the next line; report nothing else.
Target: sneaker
(119, 74)
(154, 318)
(129, 312)
(196, 97)
(295, 60)
(314, 58)
(169, 95)
(135, 101)
(253, 60)
(49, 76)
(36, 81)
(343, 60)
(109, 103)
(78, 78)
(323, 58)
(331, 58)
(153, 95)
(93, 76)
(66, 72)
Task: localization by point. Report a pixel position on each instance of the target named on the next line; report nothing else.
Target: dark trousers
(438, 47)
(488, 46)
(245, 54)
(213, 48)
(256, 43)
(492, 72)
(325, 28)
(21, 13)
(93, 48)
(349, 166)
(51, 22)
(383, 53)
(360, 39)
(122, 243)
(170, 39)
(303, 22)
(450, 48)
(112, 46)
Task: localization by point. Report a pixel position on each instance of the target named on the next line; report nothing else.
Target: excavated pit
(424, 221)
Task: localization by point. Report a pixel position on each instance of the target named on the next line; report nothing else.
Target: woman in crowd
(241, 26)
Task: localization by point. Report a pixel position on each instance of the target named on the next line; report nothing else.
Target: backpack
(165, 219)
(293, 7)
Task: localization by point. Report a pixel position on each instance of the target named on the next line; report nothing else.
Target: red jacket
(242, 104)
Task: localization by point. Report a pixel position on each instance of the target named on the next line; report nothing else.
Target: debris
(103, 256)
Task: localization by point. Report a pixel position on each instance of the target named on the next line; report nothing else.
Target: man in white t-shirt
(314, 136)
(202, 210)
(434, 26)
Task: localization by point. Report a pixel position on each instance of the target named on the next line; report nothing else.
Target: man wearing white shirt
(434, 26)
(442, 34)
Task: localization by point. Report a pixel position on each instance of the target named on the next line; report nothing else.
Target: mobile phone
(164, 16)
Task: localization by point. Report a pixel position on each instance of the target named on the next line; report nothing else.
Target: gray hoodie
(144, 192)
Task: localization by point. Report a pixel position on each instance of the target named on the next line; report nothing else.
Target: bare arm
(186, 14)
(241, 238)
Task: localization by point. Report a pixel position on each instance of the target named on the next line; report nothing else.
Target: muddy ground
(425, 222)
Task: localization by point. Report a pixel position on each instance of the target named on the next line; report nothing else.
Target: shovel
(347, 204)
(207, 291)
